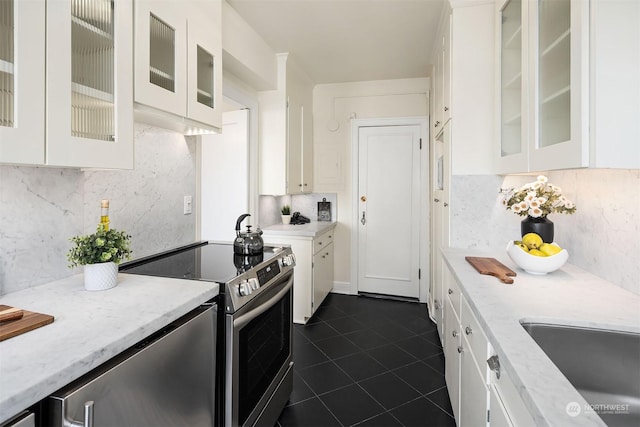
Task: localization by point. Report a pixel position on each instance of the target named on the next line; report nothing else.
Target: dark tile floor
(367, 362)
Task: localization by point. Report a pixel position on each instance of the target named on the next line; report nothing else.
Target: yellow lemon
(521, 245)
(537, 252)
(532, 240)
(549, 249)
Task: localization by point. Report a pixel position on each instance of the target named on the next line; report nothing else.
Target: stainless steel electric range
(255, 375)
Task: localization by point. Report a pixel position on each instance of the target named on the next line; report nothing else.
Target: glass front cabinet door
(69, 103)
(543, 85)
(559, 69)
(178, 68)
(89, 84)
(22, 90)
(512, 96)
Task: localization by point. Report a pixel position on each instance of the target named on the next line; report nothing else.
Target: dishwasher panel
(166, 380)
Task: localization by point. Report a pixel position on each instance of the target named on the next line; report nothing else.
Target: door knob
(363, 198)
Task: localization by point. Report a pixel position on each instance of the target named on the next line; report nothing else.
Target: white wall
(601, 237)
(332, 149)
(245, 53)
(41, 208)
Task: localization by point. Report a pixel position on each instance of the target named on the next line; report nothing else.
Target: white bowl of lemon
(536, 257)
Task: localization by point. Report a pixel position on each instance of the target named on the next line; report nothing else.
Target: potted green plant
(286, 214)
(100, 253)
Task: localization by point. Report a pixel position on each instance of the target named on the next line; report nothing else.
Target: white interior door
(225, 177)
(389, 210)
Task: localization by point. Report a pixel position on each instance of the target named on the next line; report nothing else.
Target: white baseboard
(342, 288)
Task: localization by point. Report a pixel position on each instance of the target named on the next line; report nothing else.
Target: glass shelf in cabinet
(513, 41)
(86, 91)
(514, 82)
(561, 42)
(6, 67)
(91, 30)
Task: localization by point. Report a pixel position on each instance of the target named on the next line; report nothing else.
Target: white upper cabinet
(89, 89)
(22, 71)
(512, 96)
(69, 104)
(567, 84)
(559, 73)
(178, 64)
(286, 132)
(442, 79)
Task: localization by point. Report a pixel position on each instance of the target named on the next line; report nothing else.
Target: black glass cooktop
(214, 262)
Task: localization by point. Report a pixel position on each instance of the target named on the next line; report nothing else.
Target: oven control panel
(253, 282)
(269, 272)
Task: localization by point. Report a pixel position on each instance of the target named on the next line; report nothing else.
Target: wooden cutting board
(492, 267)
(28, 322)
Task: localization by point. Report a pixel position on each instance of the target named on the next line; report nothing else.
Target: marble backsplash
(41, 208)
(602, 237)
(307, 204)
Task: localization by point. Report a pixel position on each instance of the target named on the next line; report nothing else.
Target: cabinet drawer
(478, 343)
(452, 291)
(322, 241)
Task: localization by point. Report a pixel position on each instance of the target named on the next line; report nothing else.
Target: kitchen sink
(603, 365)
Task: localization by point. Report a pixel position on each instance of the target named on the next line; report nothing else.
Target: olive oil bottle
(104, 214)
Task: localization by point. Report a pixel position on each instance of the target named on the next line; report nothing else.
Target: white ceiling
(337, 41)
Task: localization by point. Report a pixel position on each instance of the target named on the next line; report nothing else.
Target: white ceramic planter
(102, 276)
(286, 219)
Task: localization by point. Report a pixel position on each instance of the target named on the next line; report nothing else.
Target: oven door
(259, 374)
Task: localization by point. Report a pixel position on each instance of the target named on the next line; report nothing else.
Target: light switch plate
(188, 205)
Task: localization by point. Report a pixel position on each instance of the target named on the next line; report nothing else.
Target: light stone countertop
(568, 296)
(89, 329)
(312, 229)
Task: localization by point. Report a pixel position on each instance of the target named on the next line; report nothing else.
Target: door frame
(424, 238)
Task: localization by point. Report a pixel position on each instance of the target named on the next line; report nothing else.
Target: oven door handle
(241, 321)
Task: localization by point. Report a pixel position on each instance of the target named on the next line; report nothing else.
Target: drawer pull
(494, 365)
(468, 330)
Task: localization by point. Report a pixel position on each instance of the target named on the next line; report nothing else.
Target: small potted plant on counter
(286, 214)
(100, 253)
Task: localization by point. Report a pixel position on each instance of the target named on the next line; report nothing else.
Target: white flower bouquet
(537, 199)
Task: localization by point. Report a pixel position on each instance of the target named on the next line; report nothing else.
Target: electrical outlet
(188, 205)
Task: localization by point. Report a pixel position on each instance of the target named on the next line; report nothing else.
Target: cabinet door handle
(446, 108)
(436, 200)
(450, 291)
(460, 349)
(468, 330)
(494, 365)
(446, 204)
(88, 417)
(454, 333)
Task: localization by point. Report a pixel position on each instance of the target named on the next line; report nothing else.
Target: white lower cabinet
(506, 405)
(313, 275)
(322, 274)
(479, 396)
(465, 350)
